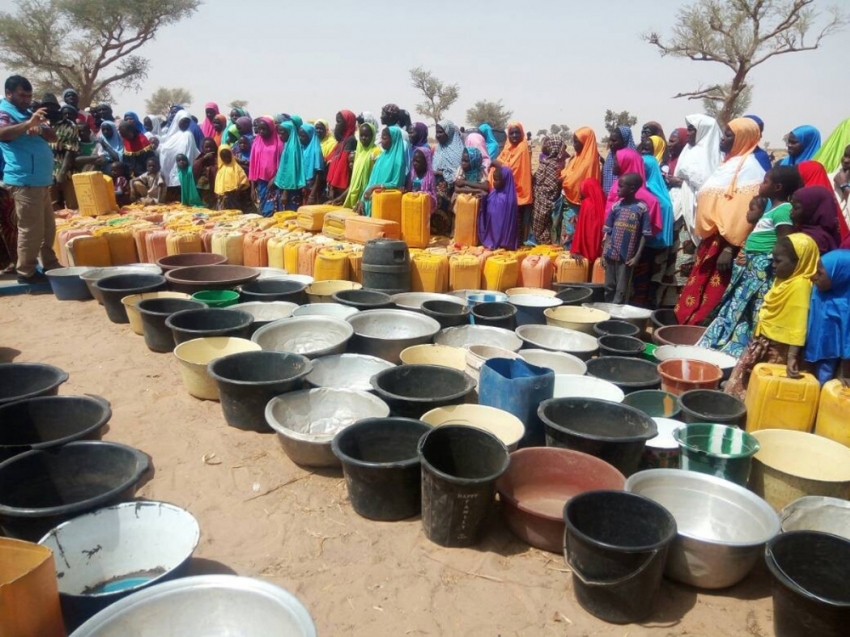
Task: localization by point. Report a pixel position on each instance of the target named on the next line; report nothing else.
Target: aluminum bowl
(467, 335)
(816, 513)
(572, 386)
(346, 371)
(387, 333)
(332, 310)
(204, 605)
(558, 362)
(265, 313)
(722, 527)
(637, 316)
(310, 336)
(307, 421)
(283, 275)
(412, 301)
(92, 275)
(558, 339)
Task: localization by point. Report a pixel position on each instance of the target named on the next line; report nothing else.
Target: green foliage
(439, 96)
(493, 113)
(614, 119)
(164, 98)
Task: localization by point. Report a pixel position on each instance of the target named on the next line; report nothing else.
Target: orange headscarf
(585, 165)
(517, 158)
(747, 137)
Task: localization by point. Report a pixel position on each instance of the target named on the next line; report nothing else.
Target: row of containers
(403, 437)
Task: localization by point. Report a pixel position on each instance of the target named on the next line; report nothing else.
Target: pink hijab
(630, 161)
(476, 140)
(428, 184)
(207, 125)
(265, 154)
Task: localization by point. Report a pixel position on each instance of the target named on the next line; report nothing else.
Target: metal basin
(91, 275)
(209, 605)
(346, 371)
(637, 316)
(306, 421)
(310, 336)
(412, 301)
(558, 339)
(558, 362)
(387, 333)
(333, 310)
(722, 527)
(467, 335)
(816, 513)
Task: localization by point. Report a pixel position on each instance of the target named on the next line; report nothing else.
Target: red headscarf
(814, 174)
(339, 174)
(587, 240)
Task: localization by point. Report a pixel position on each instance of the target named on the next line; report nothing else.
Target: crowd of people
(703, 220)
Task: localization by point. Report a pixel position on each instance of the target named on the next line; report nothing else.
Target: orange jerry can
(833, 410)
(568, 270)
(466, 220)
(183, 243)
(598, 275)
(464, 272)
(334, 225)
(156, 245)
(416, 219)
(331, 265)
(501, 272)
(255, 251)
(89, 251)
(387, 205)
(307, 257)
(775, 401)
(429, 272)
(355, 266)
(312, 218)
(537, 271)
(361, 229)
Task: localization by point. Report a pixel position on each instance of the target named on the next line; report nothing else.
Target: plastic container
(613, 432)
(187, 325)
(184, 260)
(210, 277)
(334, 223)
(531, 308)
(441, 355)
(717, 450)
(95, 194)
(460, 466)
(537, 271)
(573, 386)
(629, 374)
(217, 298)
(615, 327)
(725, 362)
(477, 355)
(364, 229)
(574, 296)
(568, 270)
(446, 313)
(775, 401)
(429, 273)
(307, 253)
(249, 380)
(229, 244)
(810, 592)
(680, 375)
(120, 244)
(265, 290)
(558, 339)
(380, 461)
(597, 272)
(387, 205)
(412, 390)
(580, 319)
(29, 595)
(194, 356)
(816, 513)
(386, 266)
(677, 334)
(466, 221)
(331, 265)
(616, 546)
(312, 218)
(833, 409)
(323, 291)
(67, 284)
(415, 219)
(255, 250)
(154, 312)
(627, 346)
(115, 288)
(182, 242)
(654, 403)
(464, 271)
(505, 426)
(536, 291)
(495, 314)
(663, 317)
(708, 405)
(28, 380)
(501, 271)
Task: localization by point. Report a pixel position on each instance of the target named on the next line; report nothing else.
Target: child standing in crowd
(242, 153)
(828, 335)
(231, 183)
(204, 169)
(421, 177)
(149, 189)
(189, 195)
(626, 230)
(120, 183)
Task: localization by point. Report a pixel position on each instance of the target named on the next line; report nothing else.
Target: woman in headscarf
(658, 149)
(237, 112)
(828, 334)
(782, 325)
(497, 222)
(204, 168)
(137, 150)
(760, 153)
(153, 125)
(802, 143)
(492, 143)
(583, 165)
(421, 176)
(699, 159)
(232, 189)
(835, 147)
(587, 241)
(419, 136)
(366, 117)
(471, 178)
(628, 160)
(210, 111)
(814, 174)
(339, 171)
(137, 123)
(388, 171)
(178, 141)
(675, 145)
(547, 186)
(266, 151)
(364, 160)
(814, 213)
(446, 160)
(290, 178)
(721, 221)
(314, 163)
(189, 195)
(651, 128)
(326, 139)
(219, 124)
(476, 140)
(111, 143)
(516, 156)
(620, 137)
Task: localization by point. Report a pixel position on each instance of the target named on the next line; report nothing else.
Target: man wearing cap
(24, 142)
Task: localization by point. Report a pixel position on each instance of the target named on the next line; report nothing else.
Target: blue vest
(29, 159)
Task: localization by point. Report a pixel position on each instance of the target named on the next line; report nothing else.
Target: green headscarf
(189, 195)
(832, 151)
(290, 172)
(363, 158)
(389, 170)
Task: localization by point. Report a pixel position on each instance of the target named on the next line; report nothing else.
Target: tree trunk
(735, 89)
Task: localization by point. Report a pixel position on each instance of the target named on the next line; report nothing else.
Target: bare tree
(439, 96)
(487, 112)
(238, 104)
(741, 35)
(613, 119)
(164, 98)
(714, 104)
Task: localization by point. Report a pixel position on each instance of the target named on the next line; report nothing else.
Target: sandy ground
(262, 516)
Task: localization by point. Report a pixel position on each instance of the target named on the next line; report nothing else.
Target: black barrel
(386, 266)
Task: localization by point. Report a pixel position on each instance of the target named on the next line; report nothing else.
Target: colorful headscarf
(654, 129)
(518, 159)
(314, 162)
(177, 142)
(389, 171)
(677, 148)
(828, 334)
(584, 165)
(492, 143)
(658, 187)
(476, 164)
(137, 123)
(206, 125)
(476, 140)
(608, 176)
(189, 195)
(809, 138)
(420, 135)
(265, 154)
(339, 174)
(221, 137)
(447, 156)
(659, 148)
(832, 151)
(820, 218)
(290, 173)
(587, 240)
(814, 174)
(631, 161)
(115, 141)
(240, 112)
(364, 158)
(760, 153)
(498, 227)
(427, 184)
(328, 143)
(229, 177)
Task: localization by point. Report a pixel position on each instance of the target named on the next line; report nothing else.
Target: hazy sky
(550, 62)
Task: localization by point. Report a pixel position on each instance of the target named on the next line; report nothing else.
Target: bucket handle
(771, 558)
(589, 582)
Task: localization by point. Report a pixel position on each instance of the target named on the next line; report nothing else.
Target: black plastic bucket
(616, 545)
(460, 466)
(212, 321)
(597, 290)
(574, 296)
(615, 328)
(495, 314)
(380, 460)
(615, 433)
(247, 381)
(446, 313)
(265, 290)
(28, 380)
(811, 595)
(612, 345)
(663, 317)
(411, 390)
(363, 299)
(711, 405)
(154, 312)
(629, 374)
(115, 288)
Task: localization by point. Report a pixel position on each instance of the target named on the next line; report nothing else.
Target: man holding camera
(25, 139)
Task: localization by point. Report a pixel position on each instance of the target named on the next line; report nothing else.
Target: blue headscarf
(828, 335)
(196, 132)
(311, 153)
(656, 185)
(137, 123)
(492, 145)
(290, 171)
(114, 140)
(608, 176)
(476, 160)
(389, 170)
(809, 139)
(760, 153)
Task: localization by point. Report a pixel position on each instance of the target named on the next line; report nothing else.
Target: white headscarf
(696, 164)
(156, 125)
(176, 142)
